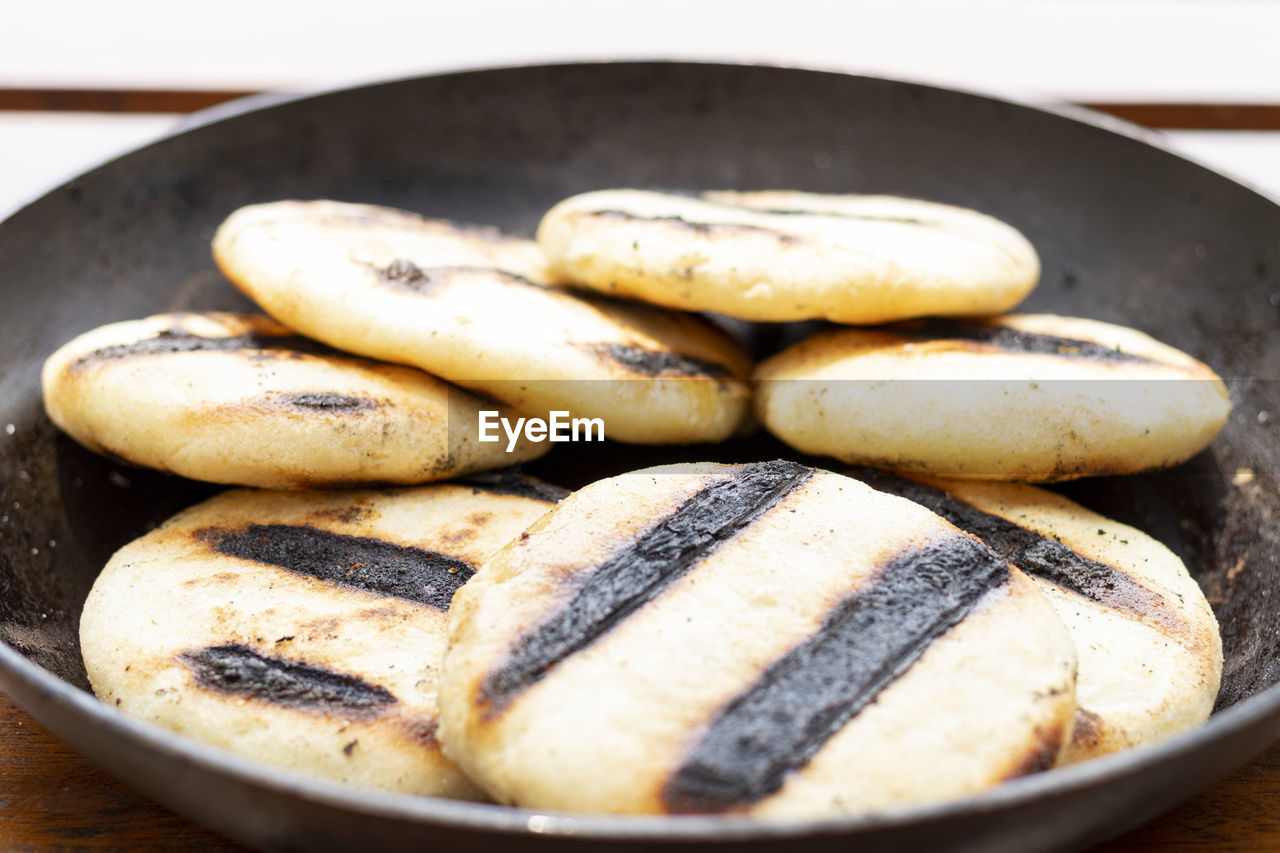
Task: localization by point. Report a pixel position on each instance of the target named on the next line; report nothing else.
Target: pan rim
(39, 682)
(491, 817)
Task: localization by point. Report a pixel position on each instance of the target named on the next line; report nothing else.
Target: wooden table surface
(80, 81)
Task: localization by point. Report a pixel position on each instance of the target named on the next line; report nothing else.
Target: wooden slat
(114, 100)
(1189, 116)
(52, 799)
(1196, 116)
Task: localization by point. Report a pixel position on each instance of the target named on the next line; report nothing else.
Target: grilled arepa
(776, 256)
(236, 398)
(765, 638)
(471, 305)
(302, 629)
(1022, 397)
(1148, 645)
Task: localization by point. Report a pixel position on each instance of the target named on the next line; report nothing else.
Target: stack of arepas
(768, 638)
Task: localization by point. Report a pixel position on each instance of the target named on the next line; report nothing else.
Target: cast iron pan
(1127, 232)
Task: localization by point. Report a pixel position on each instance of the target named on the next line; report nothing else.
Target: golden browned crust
(778, 256)
(1053, 398)
(236, 398)
(588, 670)
(479, 311)
(301, 629)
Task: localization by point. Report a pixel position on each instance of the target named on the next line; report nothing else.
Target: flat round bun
(1148, 644)
(473, 306)
(766, 639)
(237, 398)
(777, 256)
(300, 629)
(1032, 397)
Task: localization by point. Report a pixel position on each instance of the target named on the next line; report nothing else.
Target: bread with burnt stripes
(238, 398)
(473, 306)
(777, 256)
(766, 638)
(302, 629)
(1033, 397)
(1149, 649)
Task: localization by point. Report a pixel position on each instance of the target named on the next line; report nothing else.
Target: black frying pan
(1127, 233)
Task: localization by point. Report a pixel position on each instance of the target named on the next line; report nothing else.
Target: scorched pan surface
(1127, 232)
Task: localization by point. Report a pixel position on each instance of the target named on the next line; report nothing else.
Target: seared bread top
(1022, 397)
(238, 398)
(1149, 649)
(761, 638)
(777, 256)
(474, 307)
(303, 629)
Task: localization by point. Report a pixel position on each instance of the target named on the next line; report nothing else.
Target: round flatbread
(1022, 397)
(301, 629)
(236, 398)
(472, 305)
(777, 256)
(1148, 644)
(765, 639)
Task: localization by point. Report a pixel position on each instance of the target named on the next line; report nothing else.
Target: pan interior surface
(1126, 232)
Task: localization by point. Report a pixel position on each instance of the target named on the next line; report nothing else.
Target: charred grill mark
(457, 537)
(639, 572)
(704, 228)
(508, 481)
(1035, 553)
(1012, 340)
(349, 514)
(238, 670)
(404, 274)
(1041, 758)
(356, 562)
(325, 401)
(169, 341)
(778, 724)
(1087, 733)
(657, 363)
(423, 730)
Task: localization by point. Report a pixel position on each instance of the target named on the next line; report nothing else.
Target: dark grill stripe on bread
(1012, 340)
(447, 300)
(241, 671)
(659, 363)
(700, 227)
(641, 570)
(323, 401)
(870, 639)
(1035, 553)
(406, 275)
(356, 562)
(175, 341)
(507, 481)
